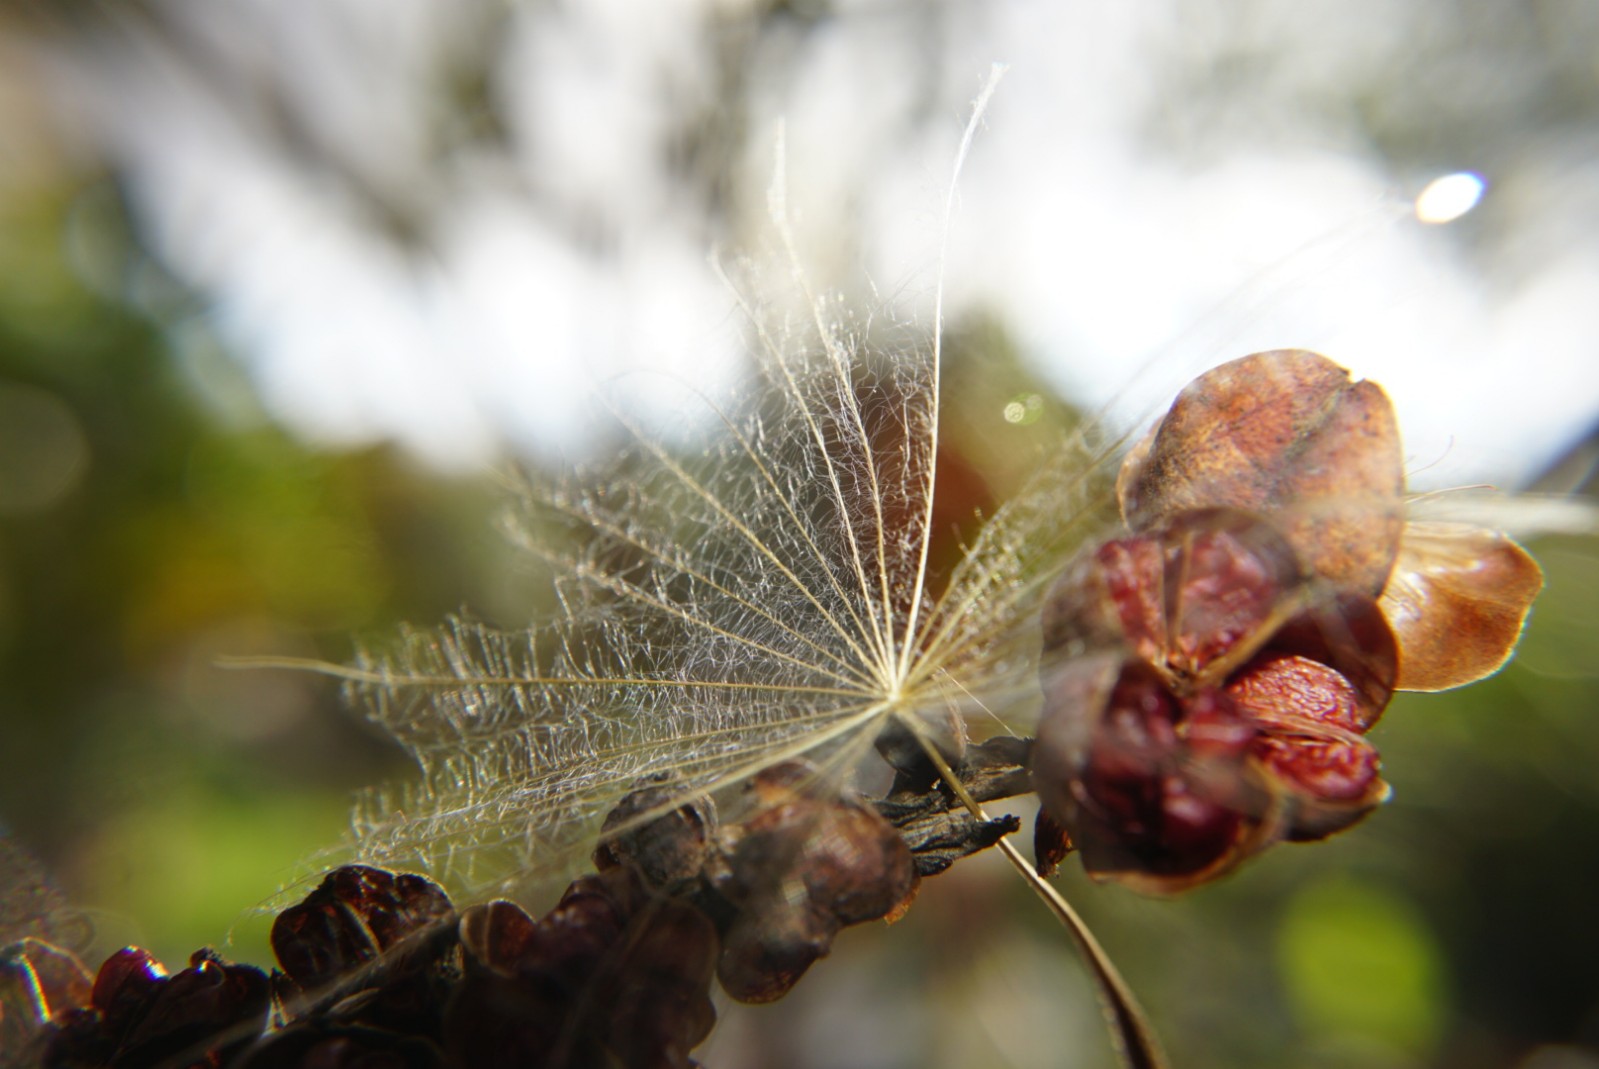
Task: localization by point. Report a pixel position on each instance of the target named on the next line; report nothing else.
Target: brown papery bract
(1457, 600)
(1286, 434)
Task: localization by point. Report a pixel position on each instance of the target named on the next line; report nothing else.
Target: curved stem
(1137, 1046)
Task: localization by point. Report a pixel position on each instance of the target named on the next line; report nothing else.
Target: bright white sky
(1121, 271)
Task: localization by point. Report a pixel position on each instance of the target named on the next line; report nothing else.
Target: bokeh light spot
(1359, 961)
(43, 450)
(1024, 409)
(1447, 198)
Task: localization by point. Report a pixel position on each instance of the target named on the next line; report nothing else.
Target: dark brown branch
(937, 826)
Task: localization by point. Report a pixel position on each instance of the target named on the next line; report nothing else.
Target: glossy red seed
(126, 982)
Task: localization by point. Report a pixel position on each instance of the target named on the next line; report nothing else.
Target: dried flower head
(1224, 661)
(771, 592)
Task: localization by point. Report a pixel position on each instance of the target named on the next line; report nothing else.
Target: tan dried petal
(1456, 601)
(1285, 433)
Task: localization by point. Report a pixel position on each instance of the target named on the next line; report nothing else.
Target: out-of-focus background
(284, 285)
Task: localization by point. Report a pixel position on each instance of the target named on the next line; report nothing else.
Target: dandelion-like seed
(765, 598)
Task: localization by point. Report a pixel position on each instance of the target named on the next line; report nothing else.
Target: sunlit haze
(388, 270)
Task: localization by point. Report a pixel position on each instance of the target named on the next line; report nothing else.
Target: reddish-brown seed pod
(496, 1017)
(1112, 597)
(659, 1005)
(1310, 745)
(125, 984)
(573, 938)
(498, 936)
(612, 975)
(1227, 714)
(769, 946)
(355, 915)
(667, 850)
(1155, 792)
(199, 1016)
(1349, 633)
(1052, 844)
(1287, 434)
(851, 861)
(1222, 665)
(1226, 580)
(1190, 600)
(799, 868)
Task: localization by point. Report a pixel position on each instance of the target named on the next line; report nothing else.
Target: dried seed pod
(1155, 791)
(498, 936)
(1210, 620)
(667, 850)
(368, 947)
(1223, 705)
(1284, 433)
(125, 985)
(497, 1017)
(1322, 683)
(1349, 633)
(659, 993)
(1315, 691)
(574, 937)
(801, 867)
(1328, 775)
(1052, 844)
(355, 915)
(769, 946)
(1287, 434)
(1191, 599)
(199, 1016)
(611, 975)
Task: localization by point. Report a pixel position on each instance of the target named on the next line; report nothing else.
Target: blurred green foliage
(1361, 965)
(150, 524)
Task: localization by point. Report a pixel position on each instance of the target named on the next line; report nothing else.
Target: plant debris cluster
(378, 969)
(1210, 676)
